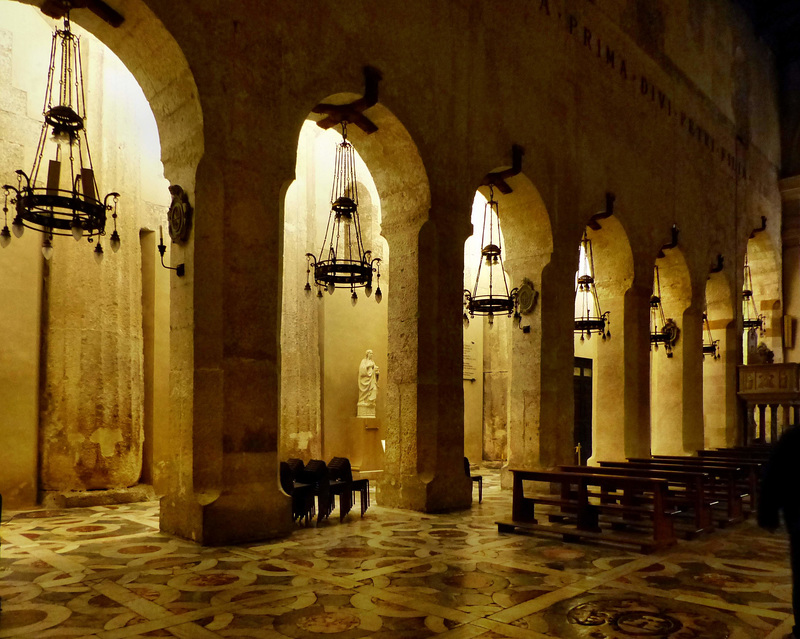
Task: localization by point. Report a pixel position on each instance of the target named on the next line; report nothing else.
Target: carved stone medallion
(179, 215)
(527, 296)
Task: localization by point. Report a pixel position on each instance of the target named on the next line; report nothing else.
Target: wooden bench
(691, 491)
(749, 474)
(574, 504)
(726, 481)
(754, 458)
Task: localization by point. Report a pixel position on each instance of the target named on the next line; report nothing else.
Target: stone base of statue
(366, 412)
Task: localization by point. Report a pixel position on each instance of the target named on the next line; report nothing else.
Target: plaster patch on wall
(75, 438)
(302, 439)
(107, 439)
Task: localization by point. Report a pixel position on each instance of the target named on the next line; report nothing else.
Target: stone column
(91, 410)
(424, 467)
(637, 371)
(226, 365)
(692, 345)
(541, 402)
(608, 438)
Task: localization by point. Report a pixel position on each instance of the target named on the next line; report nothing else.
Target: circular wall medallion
(527, 296)
(179, 215)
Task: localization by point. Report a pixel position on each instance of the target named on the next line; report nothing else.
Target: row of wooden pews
(322, 483)
(642, 502)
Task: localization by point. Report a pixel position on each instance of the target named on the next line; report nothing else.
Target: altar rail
(768, 386)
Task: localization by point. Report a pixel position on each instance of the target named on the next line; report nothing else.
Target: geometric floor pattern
(108, 573)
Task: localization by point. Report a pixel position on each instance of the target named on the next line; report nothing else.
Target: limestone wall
(80, 409)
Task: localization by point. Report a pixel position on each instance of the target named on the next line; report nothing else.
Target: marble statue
(367, 386)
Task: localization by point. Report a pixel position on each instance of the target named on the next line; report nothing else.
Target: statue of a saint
(367, 386)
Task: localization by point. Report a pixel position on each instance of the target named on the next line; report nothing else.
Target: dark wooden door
(583, 410)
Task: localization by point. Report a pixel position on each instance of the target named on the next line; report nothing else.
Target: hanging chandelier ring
(63, 119)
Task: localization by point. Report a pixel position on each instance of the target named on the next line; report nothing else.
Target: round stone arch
(155, 59)
(763, 256)
(670, 425)
(719, 375)
(416, 475)
(613, 262)
(527, 230)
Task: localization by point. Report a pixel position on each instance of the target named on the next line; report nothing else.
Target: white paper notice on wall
(470, 366)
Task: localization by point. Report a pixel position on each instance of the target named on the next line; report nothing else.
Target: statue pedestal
(365, 412)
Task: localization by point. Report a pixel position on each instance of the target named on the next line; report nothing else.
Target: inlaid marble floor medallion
(108, 573)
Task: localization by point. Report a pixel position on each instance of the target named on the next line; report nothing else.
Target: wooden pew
(689, 490)
(750, 473)
(726, 479)
(574, 502)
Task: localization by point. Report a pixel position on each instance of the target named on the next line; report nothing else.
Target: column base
(86, 498)
(227, 519)
(439, 494)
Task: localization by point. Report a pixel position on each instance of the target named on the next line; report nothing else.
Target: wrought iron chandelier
(51, 209)
(589, 318)
(491, 257)
(662, 330)
(751, 318)
(710, 345)
(342, 260)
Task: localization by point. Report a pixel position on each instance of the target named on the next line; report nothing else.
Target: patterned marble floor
(107, 572)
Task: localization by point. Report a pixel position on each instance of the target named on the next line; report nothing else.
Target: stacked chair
(347, 487)
(325, 482)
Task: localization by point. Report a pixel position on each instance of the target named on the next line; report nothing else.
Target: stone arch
(155, 59)
(719, 375)
(413, 447)
(765, 267)
(320, 353)
(486, 349)
(671, 428)
(529, 246)
(613, 261)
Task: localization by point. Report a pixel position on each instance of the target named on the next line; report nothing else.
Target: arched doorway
(613, 265)
(668, 404)
(719, 372)
(766, 286)
(324, 337)
(487, 340)
(529, 244)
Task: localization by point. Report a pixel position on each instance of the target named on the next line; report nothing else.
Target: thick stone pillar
(92, 396)
(608, 435)
(692, 438)
(637, 372)
(424, 467)
(720, 404)
(226, 366)
(541, 402)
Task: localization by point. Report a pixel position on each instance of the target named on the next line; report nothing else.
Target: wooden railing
(773, 387)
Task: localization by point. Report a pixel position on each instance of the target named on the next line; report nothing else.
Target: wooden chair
(316, 475)
(302, 495)
(474, 478)
(341, 470)
(341, 483)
